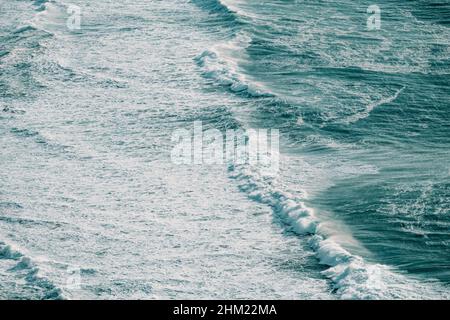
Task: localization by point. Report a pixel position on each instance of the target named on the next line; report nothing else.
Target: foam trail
(370, 107)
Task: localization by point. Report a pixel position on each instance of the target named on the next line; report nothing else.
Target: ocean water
(92, 207)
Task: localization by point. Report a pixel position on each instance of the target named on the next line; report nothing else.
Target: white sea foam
(221, 63)
(371, 106)
(51, 17)
(27, 268)
(351, 275)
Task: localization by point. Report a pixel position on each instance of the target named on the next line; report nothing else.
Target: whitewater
(358, 210)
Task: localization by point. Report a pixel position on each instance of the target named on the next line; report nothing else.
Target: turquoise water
(359, 209)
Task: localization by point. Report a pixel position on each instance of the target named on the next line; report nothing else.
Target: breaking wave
(351, 275)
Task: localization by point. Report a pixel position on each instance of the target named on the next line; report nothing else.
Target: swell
(227, 13)
(50, 16)
(221, 64)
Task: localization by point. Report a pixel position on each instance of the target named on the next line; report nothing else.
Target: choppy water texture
(359, 210)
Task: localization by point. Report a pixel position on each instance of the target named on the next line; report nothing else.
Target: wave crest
(351, 275)
(221, 64)
(27, 269)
